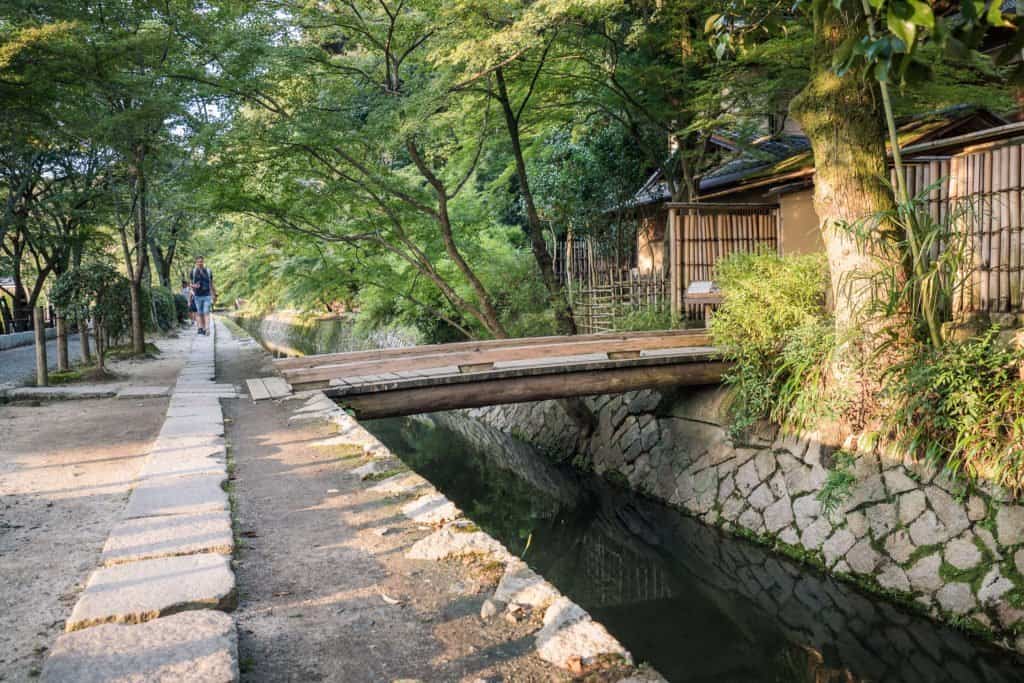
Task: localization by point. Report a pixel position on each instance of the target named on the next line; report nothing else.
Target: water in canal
(696, 604)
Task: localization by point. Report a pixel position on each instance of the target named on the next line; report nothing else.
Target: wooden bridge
(419, 379)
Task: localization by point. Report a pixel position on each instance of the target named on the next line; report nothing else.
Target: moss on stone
(386, 474)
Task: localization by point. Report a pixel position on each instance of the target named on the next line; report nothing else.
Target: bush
(775, 327)
(642, 320)
(962, 406)
(181, 308)
(162, 311)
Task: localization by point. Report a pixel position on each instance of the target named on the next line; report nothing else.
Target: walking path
(149, 611)
(18, 365)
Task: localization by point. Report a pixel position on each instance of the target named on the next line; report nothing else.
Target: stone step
(140, 591)
(192, 646)
(148, 538)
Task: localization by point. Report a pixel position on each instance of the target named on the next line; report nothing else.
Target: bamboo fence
(607, 296)
(708, 234)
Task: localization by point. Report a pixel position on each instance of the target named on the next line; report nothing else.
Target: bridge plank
(381, 354)
(257, 389)
(418, 360)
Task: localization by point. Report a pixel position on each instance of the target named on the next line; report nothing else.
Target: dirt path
(320, 554)
(66, 468)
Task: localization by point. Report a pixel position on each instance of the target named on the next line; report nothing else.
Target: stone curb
(166, 565)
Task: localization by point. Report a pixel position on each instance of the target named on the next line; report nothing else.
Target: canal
(695, 603)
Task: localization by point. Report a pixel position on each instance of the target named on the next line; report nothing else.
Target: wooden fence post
(40, 333)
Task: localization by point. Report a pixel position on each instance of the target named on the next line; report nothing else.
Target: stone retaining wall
(902, 528)
(16, 339)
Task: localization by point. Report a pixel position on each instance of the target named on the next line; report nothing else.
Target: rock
(523, 586)
(928, 530)
(151, 537)
(1010, 524)
(911, 506)
(956, 598)
(862, 558)
(962, 553)
(1009, 616)
(805, 479)
(924, 575)
(432, 508)
(976, 508)
(881, 519)
(752, 520)
(806, 509)
(761, 497)
(993, 587)
(746, 478)
(789, 535)
(897, 481)
(375, 467)
(765, 464)
(778, 515)
(837, 545)
(178, 496)
(869, 490)
(726, 487)
(1018, 560)
(569, 632)
(899, 546)
(814, 535)
(140, 591)
(445, 543)
(949, 511)
(893, 578)
(732, 508)
(490, 608)
(191, 646)
(857, 523)
(399, 484)
(989, 540)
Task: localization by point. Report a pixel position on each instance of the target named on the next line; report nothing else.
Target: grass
(125, 351)
(80, 373)
(838, 482)
(386, 474)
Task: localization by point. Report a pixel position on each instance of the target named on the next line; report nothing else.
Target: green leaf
(922, 14)
(882, 71)
(902, 28)
(711, 23)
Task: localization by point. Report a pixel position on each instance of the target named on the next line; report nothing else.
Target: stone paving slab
(163, 444)
(175, 448)
(177, 496)
(192, 646)
(139, 591)
(144, 392)
(192, 426)
(183, 462)
(147, 538)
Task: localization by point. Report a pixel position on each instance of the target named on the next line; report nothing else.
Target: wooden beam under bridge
(517, 385)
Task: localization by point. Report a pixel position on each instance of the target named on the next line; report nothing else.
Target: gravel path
(17, 366)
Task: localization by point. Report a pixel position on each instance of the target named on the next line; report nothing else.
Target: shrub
(100, 292)
(961, 406)
(181, 307)
(162, 311)
(775, 327)
(641, 320)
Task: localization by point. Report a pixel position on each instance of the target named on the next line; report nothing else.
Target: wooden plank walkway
(466, 374)
(263, 388)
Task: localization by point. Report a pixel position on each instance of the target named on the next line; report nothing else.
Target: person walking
(203, 293)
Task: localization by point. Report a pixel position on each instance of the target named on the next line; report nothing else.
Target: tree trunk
(83, 339)
(564, 320)
(140, 268)
(63, 363)
(841, 117)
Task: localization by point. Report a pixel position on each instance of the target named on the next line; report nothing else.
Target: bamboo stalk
(1013, 196)
(1004, 230)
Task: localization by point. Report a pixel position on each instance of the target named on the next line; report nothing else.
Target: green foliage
(646, 319)
(163, 313)
(774, 326)
(99, 292)
(962, 406)
(180, 308)
(838, 482)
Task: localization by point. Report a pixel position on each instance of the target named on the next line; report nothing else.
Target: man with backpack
(203, 294)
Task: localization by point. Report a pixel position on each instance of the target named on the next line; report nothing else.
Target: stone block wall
(901, 528)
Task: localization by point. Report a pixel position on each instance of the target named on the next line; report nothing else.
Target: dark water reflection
(696, 604)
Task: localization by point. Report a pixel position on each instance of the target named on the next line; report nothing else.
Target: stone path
(169, 554)
(18, 365)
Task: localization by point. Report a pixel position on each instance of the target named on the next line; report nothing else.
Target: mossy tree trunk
(841, 117)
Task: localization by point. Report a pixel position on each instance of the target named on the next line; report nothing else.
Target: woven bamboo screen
(982, 189)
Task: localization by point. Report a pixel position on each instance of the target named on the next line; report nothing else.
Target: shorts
(203, 304)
